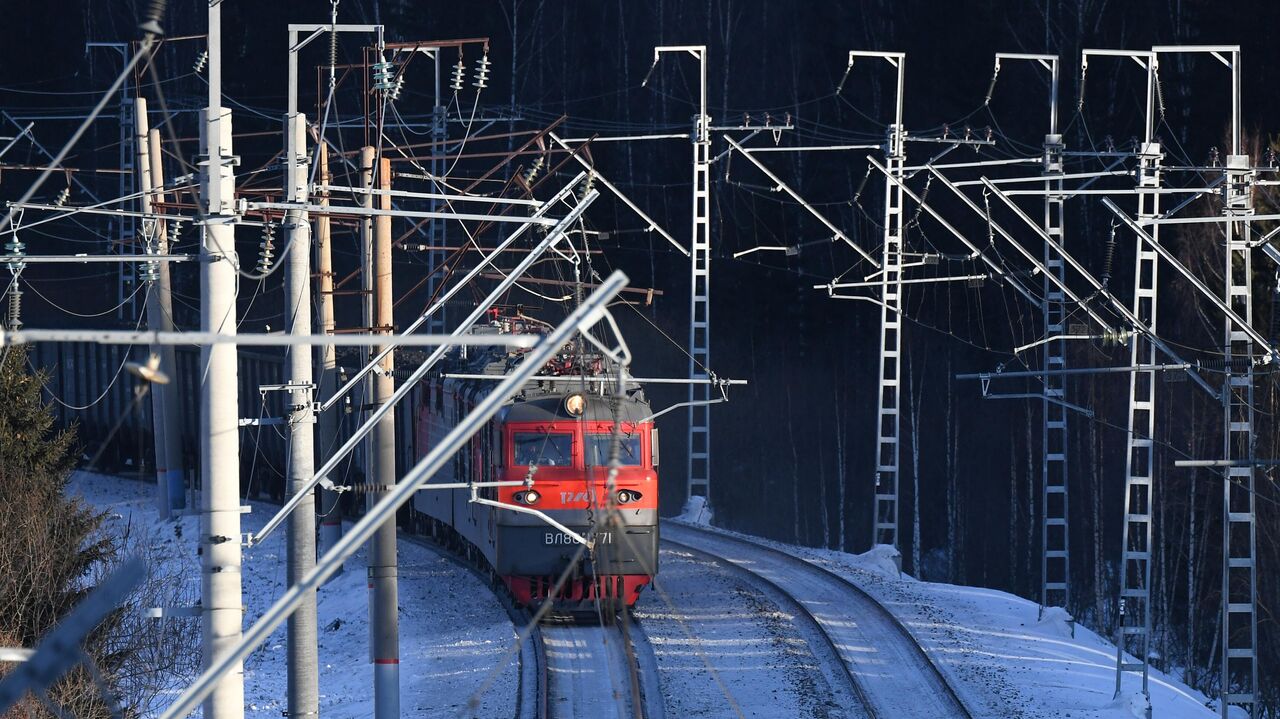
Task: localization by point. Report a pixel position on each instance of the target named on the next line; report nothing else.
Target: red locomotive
(555, 436)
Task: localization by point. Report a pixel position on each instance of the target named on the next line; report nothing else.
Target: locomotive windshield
(598, 446)
(552, 449)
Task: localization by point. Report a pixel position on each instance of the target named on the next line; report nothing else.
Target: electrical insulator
(13, 320)
(15, 247)
(396, 87)
(1116, 338)
(62, 197)
(533, 171)
(266, 249)
(1108, 257)
(459, 75)
(1213, 157)
(201, 60)
(150, 272)
(482, 72)
(383, 76)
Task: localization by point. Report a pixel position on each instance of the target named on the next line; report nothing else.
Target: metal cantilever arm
(795, 196)
(399, 495)
(1040, 395)
(1120, 307)
(653, 224)
(403, 389)
(1051, 276)
(1195, 281)
(995, 268)
(448, 295)
(724, 397)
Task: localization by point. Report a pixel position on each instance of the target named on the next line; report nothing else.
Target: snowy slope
(453, 635)
(999, 658)
(1002, 661)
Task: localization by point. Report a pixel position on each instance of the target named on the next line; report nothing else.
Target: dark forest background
(793, 450)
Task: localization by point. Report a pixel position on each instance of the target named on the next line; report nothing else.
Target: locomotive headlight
(627, 496)
(575, 404)
(528, 497)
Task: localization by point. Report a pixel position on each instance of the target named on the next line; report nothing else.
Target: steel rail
(854, 589)
(801, 610)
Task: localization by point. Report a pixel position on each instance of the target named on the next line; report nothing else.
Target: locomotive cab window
(598, 446)
(548, 449)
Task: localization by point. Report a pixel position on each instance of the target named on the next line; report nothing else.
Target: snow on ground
(725, 648)
(696, 511)
(712, 633)
(453, 633)
(1000, 657)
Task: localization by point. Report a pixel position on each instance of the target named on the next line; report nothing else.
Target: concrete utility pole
(384, 622)
(159, 308)
(176, 467)
(327, 422)
(304, 671)
(222, 602)
(363, 399)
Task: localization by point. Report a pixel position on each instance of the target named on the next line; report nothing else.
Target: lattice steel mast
(1055, 534)
(699, 441)
(884, 528)
(1133, 626)
(1239, 517)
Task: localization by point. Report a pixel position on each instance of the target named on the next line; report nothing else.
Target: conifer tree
(51, 544)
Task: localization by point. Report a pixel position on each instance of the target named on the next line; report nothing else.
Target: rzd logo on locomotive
(584, 496)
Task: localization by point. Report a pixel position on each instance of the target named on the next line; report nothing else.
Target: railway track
(890, 671)
(599, 671)
(576, 670)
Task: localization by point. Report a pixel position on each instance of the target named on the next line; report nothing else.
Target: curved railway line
(599, 671)
(891, 672)
(575, 670)
(822, 643)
